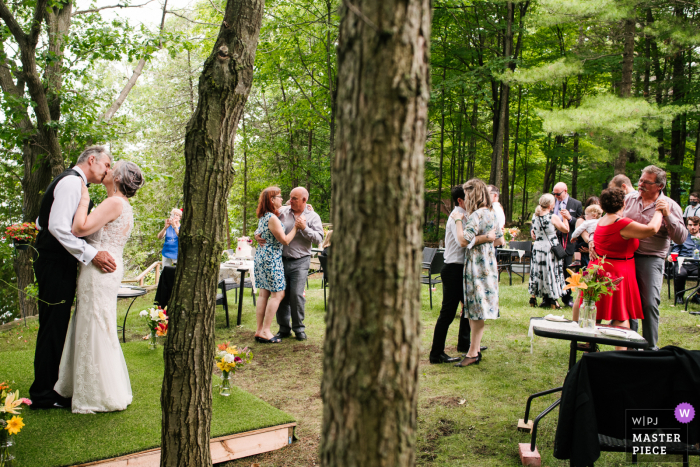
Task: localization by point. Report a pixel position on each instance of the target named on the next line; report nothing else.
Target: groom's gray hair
(97, 151)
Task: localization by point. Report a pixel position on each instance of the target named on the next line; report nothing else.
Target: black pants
(452, 296)
(57, 280)
(688, 269)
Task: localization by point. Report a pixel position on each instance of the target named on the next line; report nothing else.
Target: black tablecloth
(165, 286)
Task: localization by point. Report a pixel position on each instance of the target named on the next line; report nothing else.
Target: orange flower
(223, 346)
(575, 281)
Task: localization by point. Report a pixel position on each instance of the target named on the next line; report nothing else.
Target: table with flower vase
(565, 329)
(235, 269)
(133, 292)
(693, 290)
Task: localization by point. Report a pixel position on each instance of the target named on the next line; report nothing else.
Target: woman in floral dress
(546, 270)
(269, 271)
(480, 267)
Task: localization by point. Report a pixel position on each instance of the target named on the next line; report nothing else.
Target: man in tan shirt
(649, 258)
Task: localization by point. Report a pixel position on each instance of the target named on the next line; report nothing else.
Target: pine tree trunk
(371, 353)
(442, 157)
(499, 136)
(696, 179)
(620, 164)
(224, 86)
(678, 123)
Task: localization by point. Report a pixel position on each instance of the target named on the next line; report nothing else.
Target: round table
(133, 292)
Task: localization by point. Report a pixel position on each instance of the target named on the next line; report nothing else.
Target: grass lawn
(466, 416)
(58, 437)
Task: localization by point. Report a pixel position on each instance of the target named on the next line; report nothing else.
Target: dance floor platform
(242, 425)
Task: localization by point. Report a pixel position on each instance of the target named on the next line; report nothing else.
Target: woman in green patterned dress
(480, 266)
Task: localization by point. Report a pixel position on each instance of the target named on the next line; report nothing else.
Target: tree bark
(224, 86)
(620, 164)
(498, 138)
(442, 156)
(678, 123)
(371, 352)
(471, 162)
(696, 179)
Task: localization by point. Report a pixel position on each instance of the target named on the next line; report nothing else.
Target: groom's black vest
(46, 244)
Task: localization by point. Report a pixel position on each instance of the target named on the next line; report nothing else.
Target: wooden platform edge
(223, 448)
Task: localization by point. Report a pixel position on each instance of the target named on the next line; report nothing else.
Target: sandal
(469, 361)
(274, 340)
(533, 302)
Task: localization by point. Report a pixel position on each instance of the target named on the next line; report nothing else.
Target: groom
(56, 269)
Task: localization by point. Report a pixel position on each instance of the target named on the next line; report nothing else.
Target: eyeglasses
(558, 194)
(647, 182)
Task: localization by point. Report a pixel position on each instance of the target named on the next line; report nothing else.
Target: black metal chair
(324, 282)
(235, 285)
(527, 246)
(221, 299)
(434, 267)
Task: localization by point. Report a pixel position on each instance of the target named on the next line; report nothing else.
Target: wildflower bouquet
(594, 282)
(229, 359)
(157, 321)
(25, 232)
(10, 421)
(511, 233)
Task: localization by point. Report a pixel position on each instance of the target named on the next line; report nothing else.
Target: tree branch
(191, 20)
(12, 24)
(118, 5)
(310, 102)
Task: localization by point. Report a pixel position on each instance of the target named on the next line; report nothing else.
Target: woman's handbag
(557, 249)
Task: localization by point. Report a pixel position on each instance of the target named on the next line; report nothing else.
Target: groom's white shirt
(66, 197)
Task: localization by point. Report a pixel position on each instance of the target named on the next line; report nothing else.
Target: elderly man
(623, 182)
(569, 210)
(686, 250)
(649, 257)
(56, 268)
(296, 258)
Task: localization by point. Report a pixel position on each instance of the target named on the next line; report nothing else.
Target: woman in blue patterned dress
(480, 267)
(269, 271)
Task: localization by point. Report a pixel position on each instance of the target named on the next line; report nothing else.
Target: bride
(93, 371)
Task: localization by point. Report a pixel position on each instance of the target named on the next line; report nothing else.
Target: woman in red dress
(617, 238)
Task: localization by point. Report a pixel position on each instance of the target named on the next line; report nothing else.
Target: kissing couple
(81, 254)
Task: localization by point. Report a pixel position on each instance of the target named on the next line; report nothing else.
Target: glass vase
(7, 449)
(225, 388)
(152, 341)
(587, 315)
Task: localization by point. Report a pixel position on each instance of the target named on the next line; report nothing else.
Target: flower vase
(7, 449)
(225, 388)
(696, 254)
(20, 244)
(152, 341)
(587, 315)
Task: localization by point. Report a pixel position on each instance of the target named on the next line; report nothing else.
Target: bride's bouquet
(229, 359)
(10, 421)
(157, 322)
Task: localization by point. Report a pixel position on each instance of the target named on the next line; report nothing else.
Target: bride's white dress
(93, 371)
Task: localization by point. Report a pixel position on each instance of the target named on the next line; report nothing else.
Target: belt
(622, 259)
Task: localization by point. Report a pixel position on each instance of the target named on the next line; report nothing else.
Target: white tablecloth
(229, 270)
(519, 252)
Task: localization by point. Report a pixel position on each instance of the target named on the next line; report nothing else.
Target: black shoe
(464, 352)
(533, 302)
(301, 336)
(546, 302)
(679, 300)
(283, 335)
(274, 340)
(444, 358)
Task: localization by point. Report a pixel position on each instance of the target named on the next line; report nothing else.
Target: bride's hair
(128, 178)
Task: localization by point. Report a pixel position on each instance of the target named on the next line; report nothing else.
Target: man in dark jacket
(564, 202)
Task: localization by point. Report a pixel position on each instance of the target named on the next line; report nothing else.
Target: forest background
(524, 95)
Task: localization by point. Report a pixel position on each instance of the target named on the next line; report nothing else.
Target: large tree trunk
(499, 136)
(371, 353)
(678, 124)
(620, 164)
(224, 86)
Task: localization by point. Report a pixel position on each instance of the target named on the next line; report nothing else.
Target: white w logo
(684, 412)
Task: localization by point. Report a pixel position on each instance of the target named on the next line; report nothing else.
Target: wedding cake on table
(244, 248)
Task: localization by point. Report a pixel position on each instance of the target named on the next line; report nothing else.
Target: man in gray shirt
(296, 258)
